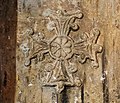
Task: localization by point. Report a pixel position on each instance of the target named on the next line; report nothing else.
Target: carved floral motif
(62, 48)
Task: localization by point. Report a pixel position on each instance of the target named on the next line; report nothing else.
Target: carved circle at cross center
(61, 47)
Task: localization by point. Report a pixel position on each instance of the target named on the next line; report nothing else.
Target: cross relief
(61, 48)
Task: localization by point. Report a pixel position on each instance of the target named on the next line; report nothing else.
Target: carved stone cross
(65, 53)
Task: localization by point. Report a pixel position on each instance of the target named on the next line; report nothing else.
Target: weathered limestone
(67, 51)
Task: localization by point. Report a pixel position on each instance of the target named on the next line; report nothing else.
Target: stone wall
(67, 51)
